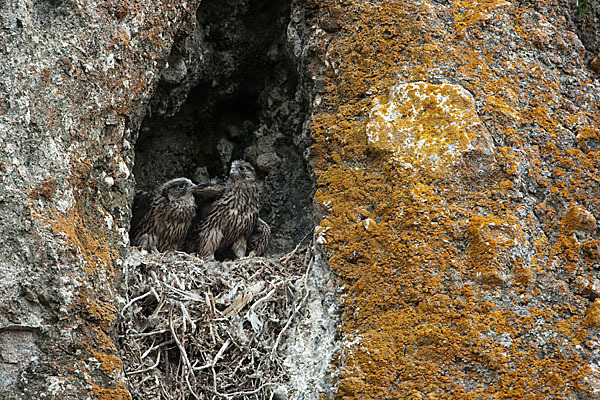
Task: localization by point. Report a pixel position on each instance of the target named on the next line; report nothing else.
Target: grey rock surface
(91, 94)
(75, 79)
(314, 341)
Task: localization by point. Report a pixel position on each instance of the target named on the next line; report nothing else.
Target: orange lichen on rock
(118, 393)
(86, 239)
(84, 230)
(592, 319)
(458, 210)
(490, 241)
(45, 190)
(103, 312)
(110, 363)
(577, 222)
(427, 124)
(579, 219)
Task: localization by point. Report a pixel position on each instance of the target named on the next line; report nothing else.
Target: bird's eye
(181, 186)
(242, 168)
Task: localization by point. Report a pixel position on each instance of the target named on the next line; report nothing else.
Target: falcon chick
(232, 217)
(162, 215)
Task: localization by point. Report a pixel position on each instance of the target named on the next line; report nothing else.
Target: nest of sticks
(209, 330)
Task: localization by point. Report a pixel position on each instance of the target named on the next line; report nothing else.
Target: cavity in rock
(230, 90)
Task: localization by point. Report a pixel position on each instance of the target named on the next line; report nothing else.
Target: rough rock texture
(86, 90)
(313, 341)
(585, 15)
(456, 149)
(457, 154)
(74, 80)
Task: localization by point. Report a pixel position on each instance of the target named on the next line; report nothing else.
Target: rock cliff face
(75, 78)
(456, 152)
(96, 99)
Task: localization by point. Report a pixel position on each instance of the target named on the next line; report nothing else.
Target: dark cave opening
(230, 90)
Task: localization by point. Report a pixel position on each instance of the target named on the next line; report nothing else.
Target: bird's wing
(142, 200)
(208, 191)
(259, 240)
(206, 194)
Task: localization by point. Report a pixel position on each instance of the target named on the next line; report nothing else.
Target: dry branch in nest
(208, 330)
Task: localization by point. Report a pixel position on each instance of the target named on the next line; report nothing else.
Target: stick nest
(209, 330)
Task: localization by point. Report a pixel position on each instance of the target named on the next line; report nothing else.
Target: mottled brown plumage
(259, 240)
(205, 195)
(232, 217)
(162, 215)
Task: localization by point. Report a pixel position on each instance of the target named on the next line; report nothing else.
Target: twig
(141, 371)
(221, 351)
(133, 301)
(247, 393)
(179, 345)
(262, 300)
(150, 349)
(145, 334)
(186, 317)
(189, 295)
(158, 298)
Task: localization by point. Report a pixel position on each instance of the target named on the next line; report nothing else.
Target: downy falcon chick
(162, 215)
(206, 194)
(232, 217)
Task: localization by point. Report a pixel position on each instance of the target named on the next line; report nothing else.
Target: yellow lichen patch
(110, 363)
(461, 288)
(118, 393)
(102, 341)
(490, 241)
(591, 249)
(103, 312)
(578, 219)
(93, 246)
(524, 277)
(468, 14)
(426, 125)
(83, 233)
(82, 226)
(592, 319)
